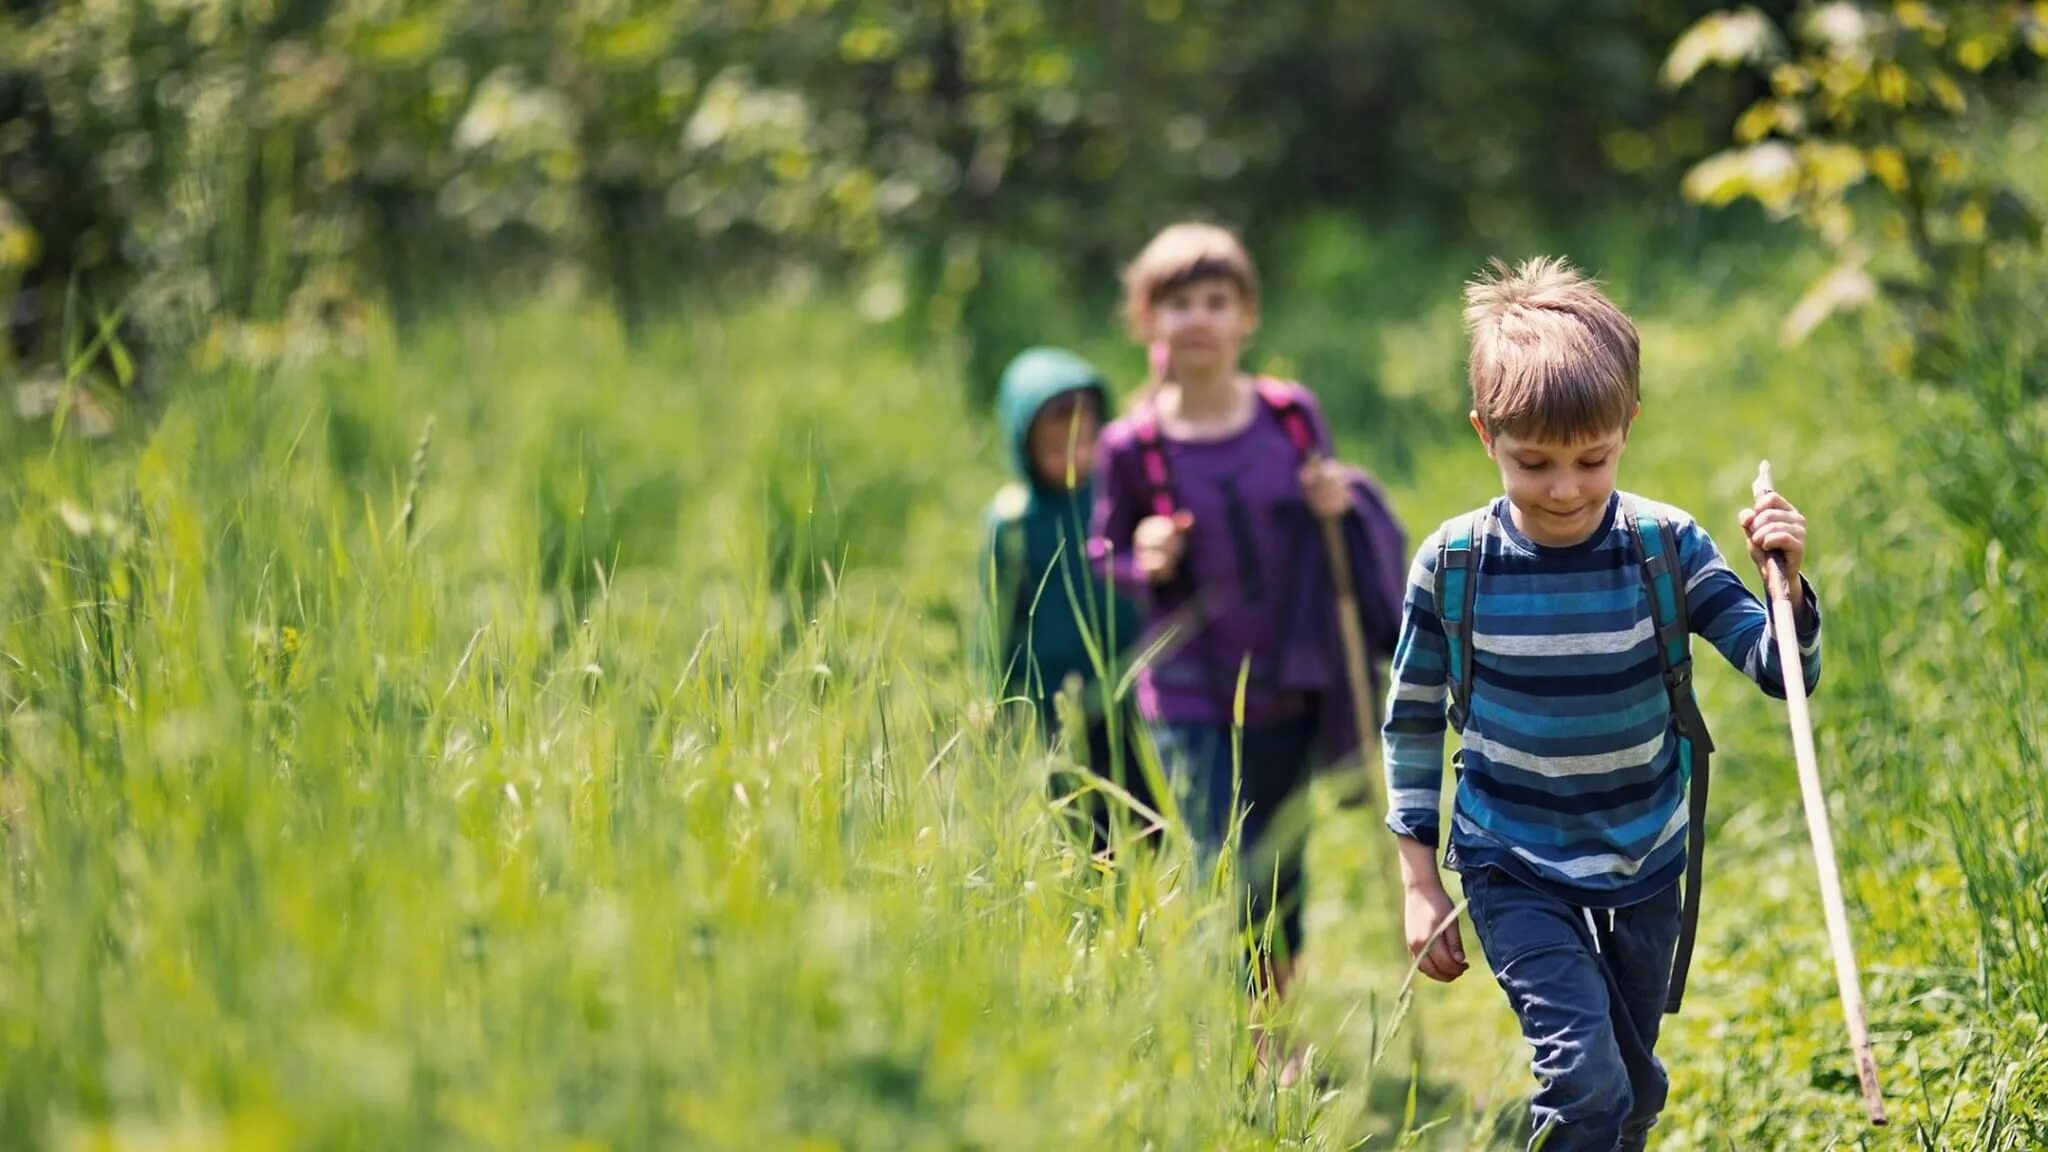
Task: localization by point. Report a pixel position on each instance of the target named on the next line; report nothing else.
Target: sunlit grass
(634, 788)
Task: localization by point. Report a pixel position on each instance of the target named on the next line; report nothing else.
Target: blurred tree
(1863, 138)
(245, 171)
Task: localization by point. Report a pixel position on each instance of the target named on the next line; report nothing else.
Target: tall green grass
(510, 740)
(601, 770)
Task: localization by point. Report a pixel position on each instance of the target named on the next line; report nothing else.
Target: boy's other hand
(1774, 525)
(1158, 542)
(1439, 956)
(1327, 486)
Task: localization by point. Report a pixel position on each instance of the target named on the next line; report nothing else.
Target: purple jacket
(1255, 580)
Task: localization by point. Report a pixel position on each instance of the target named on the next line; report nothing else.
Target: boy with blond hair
(1207, 502)
(1551, 629)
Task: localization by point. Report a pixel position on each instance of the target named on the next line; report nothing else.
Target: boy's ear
(1145, 327)
(1479, 426)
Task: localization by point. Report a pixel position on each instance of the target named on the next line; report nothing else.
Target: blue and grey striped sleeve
(1413, 735)
(1731, 617)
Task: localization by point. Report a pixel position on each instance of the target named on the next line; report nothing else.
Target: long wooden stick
(1847, 977)
(1352, 631)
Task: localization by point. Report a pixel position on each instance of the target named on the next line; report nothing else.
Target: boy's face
(1559, 491)
(1062, 439)
(1205, 324)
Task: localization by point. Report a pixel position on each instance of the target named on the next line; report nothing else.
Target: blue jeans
(1591, 1000)
(1116, 764)
(1267, 774)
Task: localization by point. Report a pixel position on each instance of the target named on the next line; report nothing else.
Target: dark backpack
(1456, 589)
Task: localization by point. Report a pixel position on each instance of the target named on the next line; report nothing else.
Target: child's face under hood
(1050, 405)
(1062, 440)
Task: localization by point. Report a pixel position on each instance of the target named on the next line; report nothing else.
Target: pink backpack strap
(1152, 457)
(1284, 400)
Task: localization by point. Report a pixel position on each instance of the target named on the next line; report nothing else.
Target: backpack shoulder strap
(1152, 459)
(1656, 543)
(1278, 396)
(1284, 401)
(1456, 589)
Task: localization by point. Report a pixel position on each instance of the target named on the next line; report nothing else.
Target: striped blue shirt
(1569, 777)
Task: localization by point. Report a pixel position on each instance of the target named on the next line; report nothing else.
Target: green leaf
(1768, 173)
(2011, 217)
(636, 41)
(1831, 169)
(124, 366)
(1723, 39)
(1844, 288)
(405, 41)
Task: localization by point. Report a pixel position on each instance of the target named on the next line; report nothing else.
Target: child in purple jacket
(1207, 501)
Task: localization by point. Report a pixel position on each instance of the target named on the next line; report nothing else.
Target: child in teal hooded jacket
(1048, 604)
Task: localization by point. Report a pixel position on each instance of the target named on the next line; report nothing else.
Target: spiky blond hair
(1552, 358)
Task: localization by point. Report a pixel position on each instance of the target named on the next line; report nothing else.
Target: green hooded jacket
(1036, 579)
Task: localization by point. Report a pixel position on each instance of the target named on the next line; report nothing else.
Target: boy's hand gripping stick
(1847, 977)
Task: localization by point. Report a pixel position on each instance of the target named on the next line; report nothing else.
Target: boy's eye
(1593, 463)
(1533, 465)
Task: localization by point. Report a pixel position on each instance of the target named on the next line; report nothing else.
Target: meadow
(515, 737)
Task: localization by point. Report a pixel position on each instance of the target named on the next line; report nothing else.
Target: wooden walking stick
(1847, 977)
(1352, 630)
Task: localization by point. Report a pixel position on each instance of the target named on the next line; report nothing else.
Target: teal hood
(1029, 383)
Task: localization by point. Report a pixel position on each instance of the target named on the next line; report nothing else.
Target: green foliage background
(289, 157)
(490, 492)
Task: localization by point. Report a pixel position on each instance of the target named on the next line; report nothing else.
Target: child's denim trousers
(1588, 986)
(1269, 791)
